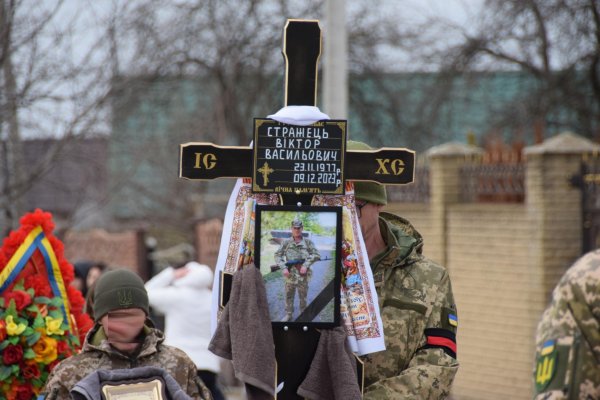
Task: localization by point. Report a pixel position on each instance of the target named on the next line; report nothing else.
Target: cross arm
(206, 161)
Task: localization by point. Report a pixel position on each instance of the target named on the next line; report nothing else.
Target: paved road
(323, 273)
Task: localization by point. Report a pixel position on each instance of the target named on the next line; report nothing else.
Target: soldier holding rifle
(295, 257)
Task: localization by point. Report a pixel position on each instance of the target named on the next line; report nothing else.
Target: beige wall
(503, 260)
(489, 247)
(489, 262)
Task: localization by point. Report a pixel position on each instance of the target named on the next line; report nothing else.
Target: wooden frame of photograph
(296, 296)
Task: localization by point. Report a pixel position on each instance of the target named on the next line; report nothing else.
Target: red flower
(2, 330)
(76, 299)
(31, 371)
(24, 392)
(22, 299)
(66, 269)
(84, 324)
(12, 354)
(63, 349)
(38, 217)
(39, 284)
(12, 242)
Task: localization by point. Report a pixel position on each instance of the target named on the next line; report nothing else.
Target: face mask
(123, 327)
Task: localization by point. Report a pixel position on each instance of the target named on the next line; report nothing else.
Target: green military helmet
(297, 223)
(367, 191)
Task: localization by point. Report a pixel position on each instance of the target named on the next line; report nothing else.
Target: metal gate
(588, 180)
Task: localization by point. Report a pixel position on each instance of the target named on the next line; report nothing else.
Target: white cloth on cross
(299, 115)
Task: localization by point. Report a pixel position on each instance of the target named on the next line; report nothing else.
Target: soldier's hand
(303, 270)
(286, 272)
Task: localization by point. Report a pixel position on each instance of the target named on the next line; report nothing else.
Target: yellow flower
(53, 326)
(12, 328)
(45, 350)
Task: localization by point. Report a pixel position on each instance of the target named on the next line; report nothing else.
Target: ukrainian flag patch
(545, 368)
(548, 347)
(452, 320)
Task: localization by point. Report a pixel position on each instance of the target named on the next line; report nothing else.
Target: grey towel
(89, 388)
(244, 334)
(332, 374)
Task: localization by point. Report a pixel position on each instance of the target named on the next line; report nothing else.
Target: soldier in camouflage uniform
(567, 362)
(123, 338)
(298, 275)
(416, 302)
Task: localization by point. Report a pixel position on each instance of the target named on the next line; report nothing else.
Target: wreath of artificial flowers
(42, 320)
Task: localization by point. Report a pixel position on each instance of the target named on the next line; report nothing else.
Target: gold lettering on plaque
(382, 166)
(397, 166)
(209, 161)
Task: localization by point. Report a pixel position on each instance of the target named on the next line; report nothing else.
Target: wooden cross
(294, 348)
(207, 161)
(301, 51)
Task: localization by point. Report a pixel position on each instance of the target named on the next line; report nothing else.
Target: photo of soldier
(295, 257)
(298, 254)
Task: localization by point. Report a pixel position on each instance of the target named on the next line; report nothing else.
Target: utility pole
(335, 74)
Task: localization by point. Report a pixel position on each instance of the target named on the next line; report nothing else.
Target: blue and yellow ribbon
(18, 261)
(37, 240)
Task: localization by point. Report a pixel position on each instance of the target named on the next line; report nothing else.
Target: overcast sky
(461, 12)
(91, 19)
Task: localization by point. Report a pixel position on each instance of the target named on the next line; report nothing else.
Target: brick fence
(503, 259)
(116, 249)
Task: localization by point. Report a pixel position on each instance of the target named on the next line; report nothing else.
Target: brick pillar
(445, 162)
(554, 207)
(208, 241)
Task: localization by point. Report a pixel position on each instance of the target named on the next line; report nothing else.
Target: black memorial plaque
(299, 159)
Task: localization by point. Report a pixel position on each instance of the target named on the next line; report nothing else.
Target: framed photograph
(297, 252)
(152, 389)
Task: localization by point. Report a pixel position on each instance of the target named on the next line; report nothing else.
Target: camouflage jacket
(290, 250)
(567, 361)
(97, 354)
(419, 319)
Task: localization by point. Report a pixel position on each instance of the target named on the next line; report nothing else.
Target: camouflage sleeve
(280, 254)
(195, 387)
(313, 253)
(432, 368)
(567, 345)
(56, 386)
(204, 391)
